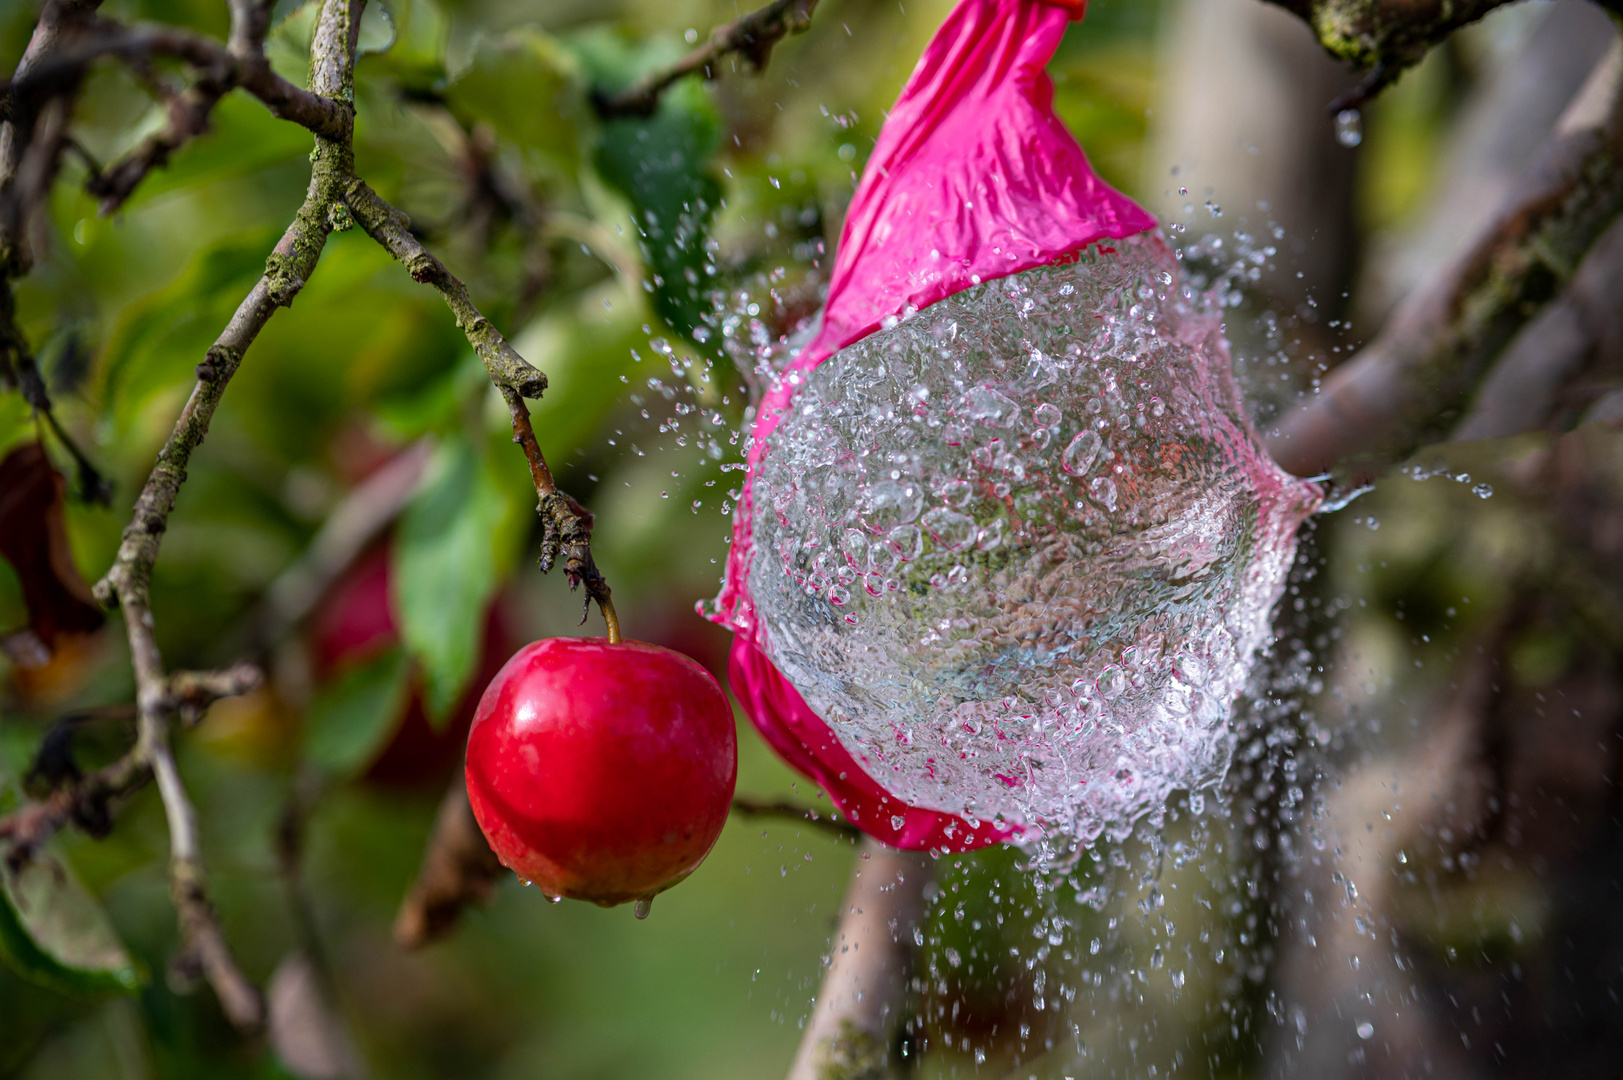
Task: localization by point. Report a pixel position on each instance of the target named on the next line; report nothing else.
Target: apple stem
(606, 605)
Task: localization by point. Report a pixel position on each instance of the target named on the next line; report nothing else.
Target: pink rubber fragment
(973, 178)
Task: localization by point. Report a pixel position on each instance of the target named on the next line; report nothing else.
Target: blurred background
(1410, 869)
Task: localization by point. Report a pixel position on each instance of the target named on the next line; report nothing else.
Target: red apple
(600, 771)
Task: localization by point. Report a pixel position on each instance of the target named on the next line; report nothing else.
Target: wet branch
(752, 36)
(1409, 385)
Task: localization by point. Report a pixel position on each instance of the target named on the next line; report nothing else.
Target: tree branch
(753, 36)
(864, 993)
(1554, 370)
(1387, 37)
(220, 69)
(83, 802)
(335, 195)
(458, 869)
(127, 584)
(1408, 386)
(826, 822)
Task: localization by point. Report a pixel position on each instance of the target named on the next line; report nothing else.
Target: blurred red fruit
(353, 624)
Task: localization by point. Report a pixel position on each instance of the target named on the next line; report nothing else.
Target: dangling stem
(606, 605)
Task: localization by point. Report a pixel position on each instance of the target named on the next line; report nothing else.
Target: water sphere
(1019, 549)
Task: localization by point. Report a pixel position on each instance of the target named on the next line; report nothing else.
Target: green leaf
(351, 720)
(54, 933)
(524, 85)
(664, 166)
(447, 561)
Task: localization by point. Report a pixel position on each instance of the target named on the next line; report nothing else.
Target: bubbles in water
(1054, 537)
(1349, 127)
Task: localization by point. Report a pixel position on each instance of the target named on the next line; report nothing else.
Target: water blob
(1009, 542)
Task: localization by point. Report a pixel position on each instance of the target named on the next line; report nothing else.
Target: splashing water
(1019, 549)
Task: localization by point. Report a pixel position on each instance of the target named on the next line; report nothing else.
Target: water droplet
(906, 541)
(1366, 1030)
(892, 502)
(1080, 455)
(643, 907)
(1103, 489)
(990, 407)
(950, 529)
(1349, 127)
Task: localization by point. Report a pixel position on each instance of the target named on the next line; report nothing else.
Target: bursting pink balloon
(1009, 542)
(973, 178)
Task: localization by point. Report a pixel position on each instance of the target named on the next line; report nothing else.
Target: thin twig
(325, 117)
(18, 366)
(30, 151)
(61, 20)
(86, 801)
(35, 104)
(793, 811)
(458, 870)
(752, 36)
(566, 527)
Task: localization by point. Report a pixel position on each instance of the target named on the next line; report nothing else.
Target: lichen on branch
(1387, 37)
